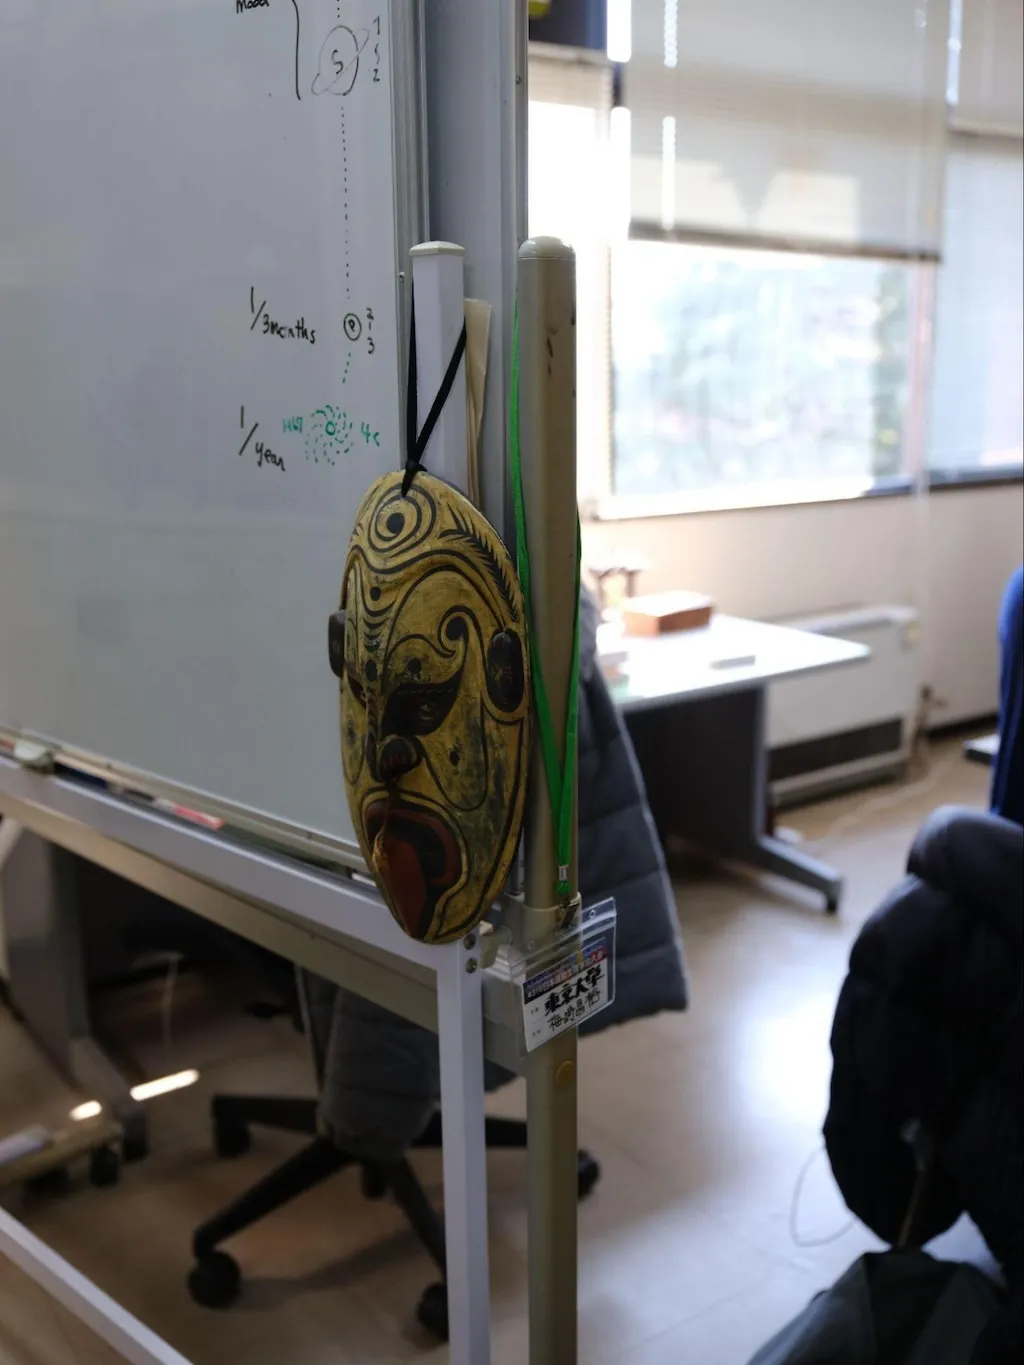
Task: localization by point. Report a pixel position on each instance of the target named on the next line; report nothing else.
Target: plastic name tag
(570, 980)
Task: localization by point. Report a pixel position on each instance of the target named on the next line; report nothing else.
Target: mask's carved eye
(355, 686)
(506, 672)
(419, 708)
(336, 642)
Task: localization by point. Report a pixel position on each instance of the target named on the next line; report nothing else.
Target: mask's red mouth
(417, 857)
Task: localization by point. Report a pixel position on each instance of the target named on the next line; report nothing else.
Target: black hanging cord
(416, 445)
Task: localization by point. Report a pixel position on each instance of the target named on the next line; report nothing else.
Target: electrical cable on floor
(794, 1209)
(888, 801)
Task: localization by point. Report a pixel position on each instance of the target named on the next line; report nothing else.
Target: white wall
(948, 554)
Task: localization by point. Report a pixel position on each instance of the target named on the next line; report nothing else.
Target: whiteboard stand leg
(440, 315)
(439, 295)
(476, 94)
(461, 1040)
(113, 1324)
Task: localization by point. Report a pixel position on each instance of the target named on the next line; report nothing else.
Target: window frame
(595, 465)
(594, 468)
(613, 506)
(941, 478)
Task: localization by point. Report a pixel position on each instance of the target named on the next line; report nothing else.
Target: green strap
(561, 777)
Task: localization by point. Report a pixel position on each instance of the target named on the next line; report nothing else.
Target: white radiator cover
(846, 725)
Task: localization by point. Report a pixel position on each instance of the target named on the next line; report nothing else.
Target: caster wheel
(231, 1139)
(104, 1167)
(135, 1148)
(432, 1311)
(373, 1182)
(215, 1280)
(588, 1173)
(50, 1182)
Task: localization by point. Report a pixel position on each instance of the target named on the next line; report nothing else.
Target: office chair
(215, 1280)
(157, 929)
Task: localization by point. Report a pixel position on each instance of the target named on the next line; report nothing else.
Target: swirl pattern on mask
(400, 523)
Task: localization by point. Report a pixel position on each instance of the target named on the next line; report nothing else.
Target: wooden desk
(694, 704)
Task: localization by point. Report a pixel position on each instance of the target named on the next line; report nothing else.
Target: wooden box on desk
(666, 612)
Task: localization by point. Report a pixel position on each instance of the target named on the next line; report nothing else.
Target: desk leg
(461, 1040)
(767, 852)
(46, 971)
(705, 766)
(773, 855)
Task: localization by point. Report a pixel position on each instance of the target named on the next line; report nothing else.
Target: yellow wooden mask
(431, 649)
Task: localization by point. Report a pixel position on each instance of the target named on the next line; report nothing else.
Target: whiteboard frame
(318, 919)
(123, 780)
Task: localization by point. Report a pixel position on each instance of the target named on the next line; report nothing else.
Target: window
(757, 376)
(569, 121)
(976, 419)
(976, 422)
(784, 184)
(811, 122)
(800, 253)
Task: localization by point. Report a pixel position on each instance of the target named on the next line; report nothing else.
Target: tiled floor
(702, 1122)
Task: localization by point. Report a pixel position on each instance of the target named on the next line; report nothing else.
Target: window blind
(990, 93)
(977, 397)
(804, 122)
(570, 197)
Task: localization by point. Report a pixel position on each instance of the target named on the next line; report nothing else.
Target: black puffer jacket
(928, 1031)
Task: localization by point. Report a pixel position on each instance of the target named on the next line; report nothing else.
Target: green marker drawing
(329, 435)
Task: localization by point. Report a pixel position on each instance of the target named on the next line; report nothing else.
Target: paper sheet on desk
(612, 653)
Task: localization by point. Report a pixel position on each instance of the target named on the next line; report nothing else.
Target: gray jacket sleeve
(381, 1075)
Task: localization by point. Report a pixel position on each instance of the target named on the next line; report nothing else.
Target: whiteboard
(205, 211)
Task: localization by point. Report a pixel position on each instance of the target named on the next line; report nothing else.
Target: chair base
(216, 1281)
